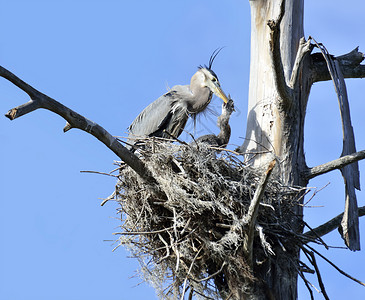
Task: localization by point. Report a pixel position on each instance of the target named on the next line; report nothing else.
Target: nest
(188, 230)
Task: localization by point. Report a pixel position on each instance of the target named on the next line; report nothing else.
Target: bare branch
(74, 120)
(333, 165)
(349, 63)
(275, 54)
(251, 216)
(329, 226)
(312, 260)
(307, 284)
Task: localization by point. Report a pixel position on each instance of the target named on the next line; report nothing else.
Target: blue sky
(108, 60)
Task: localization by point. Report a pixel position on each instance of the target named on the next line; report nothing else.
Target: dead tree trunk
(278, 94)
(281, 75)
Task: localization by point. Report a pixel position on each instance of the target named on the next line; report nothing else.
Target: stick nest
(188, 230)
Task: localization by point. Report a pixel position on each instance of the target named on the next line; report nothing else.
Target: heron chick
(222, 138)
(167, 116)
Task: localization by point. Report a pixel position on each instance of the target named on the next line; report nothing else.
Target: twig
(141, 232)
(333, 265)
(100, 173)
(307, 284)
(187, 275)
(252, 213)
(305, 269)
(108, 198)
(212, 275)
(167, 247)
(312, 259)
(175, 138)
(314, 194)
(74, 120)
(329, 226)
(191, 293)
(315, 233)
(333, 165)
(229, 296)
(224, 149)
(185, 227)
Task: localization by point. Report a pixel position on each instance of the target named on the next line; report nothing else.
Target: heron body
(167, 116)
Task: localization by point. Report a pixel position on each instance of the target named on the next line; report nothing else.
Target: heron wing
(164, 113)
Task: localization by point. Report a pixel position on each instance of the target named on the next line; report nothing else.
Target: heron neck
(201, 97)
(225, 132)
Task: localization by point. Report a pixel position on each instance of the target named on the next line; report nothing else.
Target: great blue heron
(222, 138)
(167, 116)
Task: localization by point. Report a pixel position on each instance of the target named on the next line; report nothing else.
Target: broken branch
(252, 213)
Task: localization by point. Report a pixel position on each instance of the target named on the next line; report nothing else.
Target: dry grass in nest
(189, 229)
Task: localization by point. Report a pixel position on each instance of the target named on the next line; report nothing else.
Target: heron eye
(214, 79)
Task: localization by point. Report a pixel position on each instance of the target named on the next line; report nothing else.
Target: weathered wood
(74, 120)
(350, 223)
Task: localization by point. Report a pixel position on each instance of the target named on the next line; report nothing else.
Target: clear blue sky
(107, 60)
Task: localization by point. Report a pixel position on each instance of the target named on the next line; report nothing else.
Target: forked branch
(74, 120)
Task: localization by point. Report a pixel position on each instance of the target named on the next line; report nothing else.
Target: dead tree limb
(350, 223)
(329, 226)
(333, 165)
(74, 120)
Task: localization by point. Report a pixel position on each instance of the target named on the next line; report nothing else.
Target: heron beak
(218, 91)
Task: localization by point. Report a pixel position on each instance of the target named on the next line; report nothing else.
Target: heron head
(210, 80)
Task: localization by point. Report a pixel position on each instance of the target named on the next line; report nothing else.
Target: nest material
(188, 230)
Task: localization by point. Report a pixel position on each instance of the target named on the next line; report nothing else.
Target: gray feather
(166, 113)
